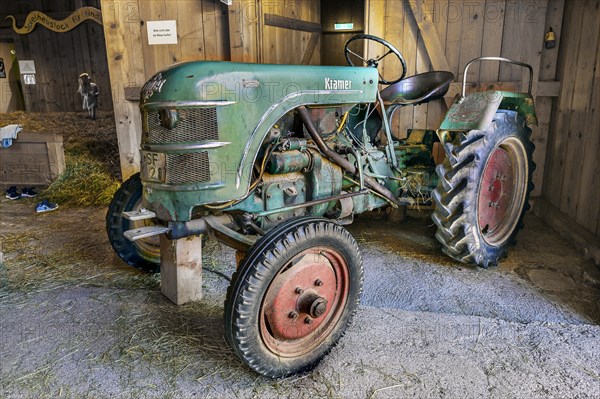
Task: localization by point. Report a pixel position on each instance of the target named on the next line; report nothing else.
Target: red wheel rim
(502, 191)
(304, 302)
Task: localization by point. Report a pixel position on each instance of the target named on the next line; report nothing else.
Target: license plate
(153, 166)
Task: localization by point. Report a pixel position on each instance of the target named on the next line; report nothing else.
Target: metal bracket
(228, 236)
(145, 232)
(390, 145)
(142, 214)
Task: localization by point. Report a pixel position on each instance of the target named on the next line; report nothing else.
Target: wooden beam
(181, 269)
(122, 39)
(243, 31)
(549, 88)
(542, 134)
(310, 48)
(291, 23)
(430, 36)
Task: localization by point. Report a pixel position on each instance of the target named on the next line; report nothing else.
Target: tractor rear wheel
(293, 296)
(143, 254)
(483, 190)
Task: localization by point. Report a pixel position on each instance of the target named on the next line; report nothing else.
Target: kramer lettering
(337, 84)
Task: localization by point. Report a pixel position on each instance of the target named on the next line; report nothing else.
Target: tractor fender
(476, 111)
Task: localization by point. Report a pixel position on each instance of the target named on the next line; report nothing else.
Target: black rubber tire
(251, 281)
(456, 196)
(127, 198)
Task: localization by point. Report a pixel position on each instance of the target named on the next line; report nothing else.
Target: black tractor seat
(418, 89)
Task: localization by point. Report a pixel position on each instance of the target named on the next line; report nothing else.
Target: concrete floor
(76, 322)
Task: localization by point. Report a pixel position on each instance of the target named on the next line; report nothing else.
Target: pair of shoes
(12, 194)
(28, 192)
(45, 206)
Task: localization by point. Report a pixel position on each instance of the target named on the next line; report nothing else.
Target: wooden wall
(276, 31)
(59, 57)
(463, 30)
(202, 32)
(572, 175)
(282, 45)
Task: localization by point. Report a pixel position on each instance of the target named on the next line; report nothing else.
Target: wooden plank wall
(466, 30)
(245, 27)
(287, 46)
(59, 57)
(572, 175)
(203, 34)
(254, 40)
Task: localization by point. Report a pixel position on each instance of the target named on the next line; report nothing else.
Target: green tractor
(273, 160)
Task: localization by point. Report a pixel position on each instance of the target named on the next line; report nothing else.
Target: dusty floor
(75, 322)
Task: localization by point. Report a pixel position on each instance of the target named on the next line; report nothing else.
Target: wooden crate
(34, 159)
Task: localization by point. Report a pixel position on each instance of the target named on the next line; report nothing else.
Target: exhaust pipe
(341, 161)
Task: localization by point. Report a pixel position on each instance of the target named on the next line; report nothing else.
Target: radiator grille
(195, 124)
(187, 168)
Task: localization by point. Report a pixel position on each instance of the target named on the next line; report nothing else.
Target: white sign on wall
(26, 66)
(162, 32)
(29, 78)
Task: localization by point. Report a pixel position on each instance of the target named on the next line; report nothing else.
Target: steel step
(145, 232)
(142, 214)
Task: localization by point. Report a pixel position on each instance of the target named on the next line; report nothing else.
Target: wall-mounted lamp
(550, 39)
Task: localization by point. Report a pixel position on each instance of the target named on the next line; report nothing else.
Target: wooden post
(244, 25)
(123, 40)
(181, 269)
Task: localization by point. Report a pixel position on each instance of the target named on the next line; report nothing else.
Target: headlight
(169, 118)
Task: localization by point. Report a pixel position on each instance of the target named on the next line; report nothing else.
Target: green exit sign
(345, 26)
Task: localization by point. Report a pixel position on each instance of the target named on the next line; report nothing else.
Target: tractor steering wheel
(374, 62)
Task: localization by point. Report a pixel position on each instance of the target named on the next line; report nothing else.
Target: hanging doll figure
(89, 91)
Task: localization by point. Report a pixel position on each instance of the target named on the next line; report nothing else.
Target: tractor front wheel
(483, 190)
(143, 254)
(293, 296)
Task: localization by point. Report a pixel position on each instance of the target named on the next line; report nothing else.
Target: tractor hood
(261, 84)
(240, 103)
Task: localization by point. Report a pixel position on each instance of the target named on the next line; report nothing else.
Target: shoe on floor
(12, 194)
(28, 192)
(45, 206)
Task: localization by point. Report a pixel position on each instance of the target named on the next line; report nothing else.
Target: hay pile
(92, 172)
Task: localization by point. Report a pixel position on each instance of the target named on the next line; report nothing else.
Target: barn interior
(77, 321)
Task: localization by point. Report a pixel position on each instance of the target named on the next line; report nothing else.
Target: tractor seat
(418, 89)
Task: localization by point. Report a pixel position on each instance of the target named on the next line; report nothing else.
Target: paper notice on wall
(28, 78)
(27, 66)
(162, 32)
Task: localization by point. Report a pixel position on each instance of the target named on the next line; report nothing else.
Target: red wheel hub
(496, 193)
(502, 191)
(304, 301)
